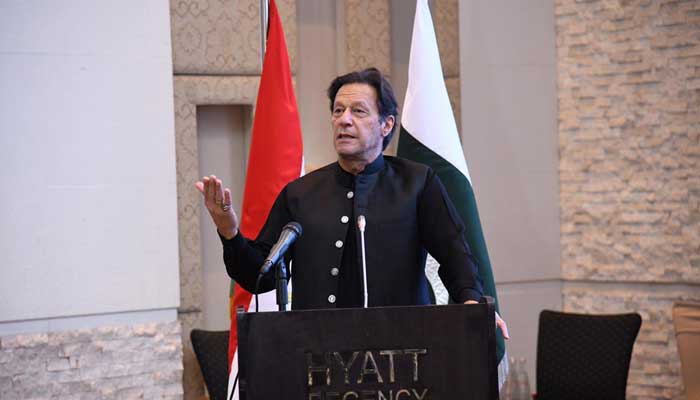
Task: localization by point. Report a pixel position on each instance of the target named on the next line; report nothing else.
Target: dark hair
(386, 101)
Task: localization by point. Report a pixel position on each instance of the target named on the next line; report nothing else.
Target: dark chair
(211, 348)
(583, 356)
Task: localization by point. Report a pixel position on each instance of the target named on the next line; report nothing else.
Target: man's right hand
(218, 203)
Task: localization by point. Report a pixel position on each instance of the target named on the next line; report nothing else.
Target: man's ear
(388, 125)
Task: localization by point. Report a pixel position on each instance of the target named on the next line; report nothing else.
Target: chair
(686, 319)
(583, 356)
(211, 348)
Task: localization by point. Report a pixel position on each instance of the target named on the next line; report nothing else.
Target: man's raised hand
(218, 203)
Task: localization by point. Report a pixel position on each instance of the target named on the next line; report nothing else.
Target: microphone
(361, 224)
(290, 233)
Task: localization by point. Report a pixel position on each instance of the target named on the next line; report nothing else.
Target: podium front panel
(381, 353)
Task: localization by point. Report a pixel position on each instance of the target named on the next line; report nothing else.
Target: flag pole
(264, 11)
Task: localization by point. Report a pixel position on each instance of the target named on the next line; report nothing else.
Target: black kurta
(408, 213)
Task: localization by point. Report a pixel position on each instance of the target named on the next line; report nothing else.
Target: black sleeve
(244, 257)
(442, 234)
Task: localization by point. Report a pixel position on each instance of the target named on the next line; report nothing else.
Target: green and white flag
(429, 136)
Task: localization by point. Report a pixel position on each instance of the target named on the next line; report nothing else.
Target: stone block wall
(629, 132)
(110, 362)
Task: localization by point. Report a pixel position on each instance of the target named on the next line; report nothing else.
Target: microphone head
(361, 222)
(293, 226)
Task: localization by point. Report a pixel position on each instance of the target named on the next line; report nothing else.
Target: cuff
(235, 242)
(469, 294)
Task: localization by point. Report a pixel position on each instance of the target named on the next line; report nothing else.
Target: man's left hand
(499, 321)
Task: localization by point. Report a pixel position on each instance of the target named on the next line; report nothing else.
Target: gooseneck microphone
(290, 233)
(361, 224)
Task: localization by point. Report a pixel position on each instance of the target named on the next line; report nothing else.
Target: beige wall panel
(368, 30)
(446, 20)
(222, 37)
(510, 141)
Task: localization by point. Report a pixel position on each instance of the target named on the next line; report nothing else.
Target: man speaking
(406, 211)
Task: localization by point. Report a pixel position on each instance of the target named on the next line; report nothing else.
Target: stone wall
(120, 362)
(629, 131)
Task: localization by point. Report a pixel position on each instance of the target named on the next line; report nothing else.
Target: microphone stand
(281, 279)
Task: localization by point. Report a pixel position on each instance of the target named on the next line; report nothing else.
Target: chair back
(211, 348)
(581, 356)
(686, 319)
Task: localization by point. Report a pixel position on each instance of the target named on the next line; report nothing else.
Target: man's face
(358, 131)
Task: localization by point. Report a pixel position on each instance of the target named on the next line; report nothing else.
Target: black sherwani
(408, 213)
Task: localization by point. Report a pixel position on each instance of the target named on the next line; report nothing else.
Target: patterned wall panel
(222, 37)
(215, 37)
(288, 13)
(446, 20)
(191, 91)
(368, 30)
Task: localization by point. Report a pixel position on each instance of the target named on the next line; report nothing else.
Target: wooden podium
(382, 353)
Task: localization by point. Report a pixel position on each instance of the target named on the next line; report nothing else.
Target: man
(405, 205)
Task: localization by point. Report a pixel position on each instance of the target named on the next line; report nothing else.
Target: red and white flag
(275, 156)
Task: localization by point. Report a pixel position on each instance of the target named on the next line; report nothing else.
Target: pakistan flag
(429, 136)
